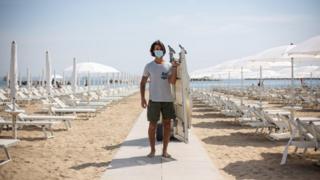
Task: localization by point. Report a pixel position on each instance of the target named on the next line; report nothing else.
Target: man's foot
(166, 155)
(151, 154)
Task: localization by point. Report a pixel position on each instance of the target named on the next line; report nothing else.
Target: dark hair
(159, 43)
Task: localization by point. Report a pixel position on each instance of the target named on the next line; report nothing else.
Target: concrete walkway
(190, 161)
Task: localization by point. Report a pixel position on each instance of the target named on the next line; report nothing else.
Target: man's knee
(166, 123)
(152, 125)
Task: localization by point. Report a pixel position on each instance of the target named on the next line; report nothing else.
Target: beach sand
(239, 154)
(83, 152)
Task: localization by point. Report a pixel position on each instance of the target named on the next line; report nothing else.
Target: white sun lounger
(302, 136)
(66, 119)
(44, 124)
(5, 143)
(66, 109)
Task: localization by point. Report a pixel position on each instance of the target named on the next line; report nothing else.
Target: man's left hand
(174, 64)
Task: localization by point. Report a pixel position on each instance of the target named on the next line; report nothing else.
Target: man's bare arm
(143, 83)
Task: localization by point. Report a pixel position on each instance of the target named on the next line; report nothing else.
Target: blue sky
(119, 33)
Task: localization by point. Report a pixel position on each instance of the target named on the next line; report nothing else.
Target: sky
(119, 33)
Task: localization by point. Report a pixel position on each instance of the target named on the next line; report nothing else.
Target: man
(161, 75)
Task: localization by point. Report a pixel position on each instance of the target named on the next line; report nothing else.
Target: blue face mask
(158, 53)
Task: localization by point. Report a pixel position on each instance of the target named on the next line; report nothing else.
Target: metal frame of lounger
(5, 144)
(301, 137)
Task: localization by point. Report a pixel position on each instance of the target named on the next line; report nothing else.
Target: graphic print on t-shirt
(164, 75)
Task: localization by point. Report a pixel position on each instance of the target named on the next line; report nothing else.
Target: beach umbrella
(13, 73)
(42, 77)
(28, 79)
(74, 76)
(309, 48)
(13, 85)
(48, 74)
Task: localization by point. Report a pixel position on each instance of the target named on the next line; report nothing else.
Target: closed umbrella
(48, 74)
(13, 73)
(13, 85)
(28, 79)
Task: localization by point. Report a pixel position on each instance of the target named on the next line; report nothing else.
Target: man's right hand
(144, 103)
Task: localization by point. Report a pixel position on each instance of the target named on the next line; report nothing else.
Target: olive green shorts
(166, 109)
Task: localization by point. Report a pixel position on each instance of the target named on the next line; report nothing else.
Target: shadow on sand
(243, 140)
(221, 125)
(269, 168)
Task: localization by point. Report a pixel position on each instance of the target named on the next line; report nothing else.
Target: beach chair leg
(285, 153)
(7, 155)
(44, 132)
(295, 150)
(256, 132)
(304, 151)
(51, 131)
(66, 124)
(262, 129)
(69, 123)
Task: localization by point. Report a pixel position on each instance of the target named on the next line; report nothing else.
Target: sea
(271, 83)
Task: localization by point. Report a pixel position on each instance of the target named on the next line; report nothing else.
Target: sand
(239, 154)
(83, 152)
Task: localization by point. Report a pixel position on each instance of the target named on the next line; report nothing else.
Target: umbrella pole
(292, 83)
(241, 100)
(228, 85)
(14, 119)
(260, 87)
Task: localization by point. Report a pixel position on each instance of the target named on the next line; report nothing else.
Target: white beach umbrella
(13, 73)
(74, 76)
(309, 48)
(28, 79)
(48, 74)
(13, 85)
(42, 77)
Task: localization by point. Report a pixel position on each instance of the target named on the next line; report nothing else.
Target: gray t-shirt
(159, 88)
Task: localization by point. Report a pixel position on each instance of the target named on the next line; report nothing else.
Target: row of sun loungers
(62, 106)
(275, 124)
(306, 97)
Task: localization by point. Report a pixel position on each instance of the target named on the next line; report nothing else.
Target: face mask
(158, 53)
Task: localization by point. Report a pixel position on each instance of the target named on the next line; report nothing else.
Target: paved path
(190, 161)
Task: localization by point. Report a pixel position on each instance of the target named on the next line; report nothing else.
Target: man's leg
(166, 136)
(152, 137)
